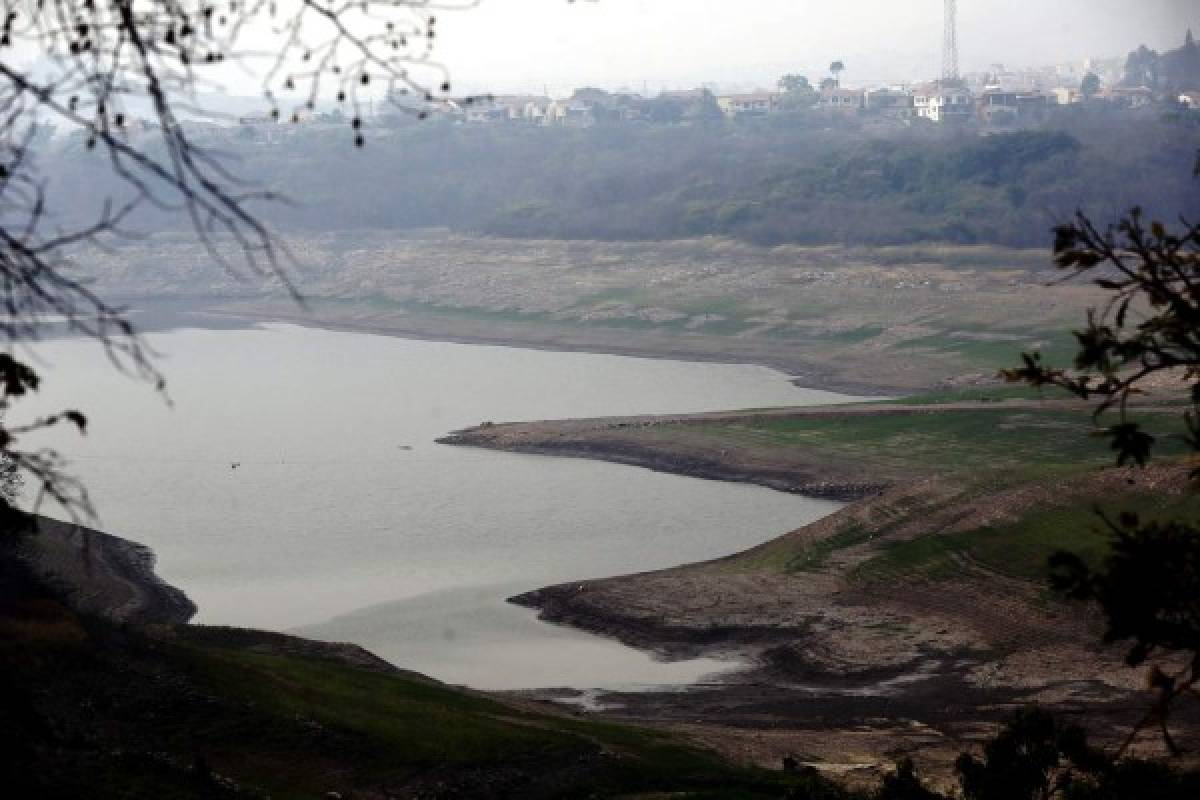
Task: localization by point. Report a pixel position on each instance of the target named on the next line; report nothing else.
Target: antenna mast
(950, 43)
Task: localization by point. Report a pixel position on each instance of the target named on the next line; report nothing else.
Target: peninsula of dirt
(912, 620)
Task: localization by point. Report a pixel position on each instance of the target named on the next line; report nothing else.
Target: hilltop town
(1000, 98)
(1145, 83)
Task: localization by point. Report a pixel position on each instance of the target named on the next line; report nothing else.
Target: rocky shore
(97, 574)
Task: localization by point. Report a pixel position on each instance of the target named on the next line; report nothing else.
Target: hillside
(768, 182)
(99, 709)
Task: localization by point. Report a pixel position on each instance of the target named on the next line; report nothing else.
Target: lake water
(345, 521)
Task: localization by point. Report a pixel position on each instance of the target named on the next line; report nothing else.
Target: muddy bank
(158, 315)
(97, 574)
(665, 443)
(849, 673)
(792, 479)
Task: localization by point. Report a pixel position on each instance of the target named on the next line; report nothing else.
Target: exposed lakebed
(294, 484)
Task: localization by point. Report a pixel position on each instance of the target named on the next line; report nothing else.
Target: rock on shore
(101, 575)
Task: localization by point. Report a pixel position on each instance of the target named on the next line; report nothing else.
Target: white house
(569, 114)
(938, 102)
(753, 104)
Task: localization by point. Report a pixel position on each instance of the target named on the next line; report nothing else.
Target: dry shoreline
(630, 441)
(841, 677)
(565, 339)
(848, 674)
(97, 574)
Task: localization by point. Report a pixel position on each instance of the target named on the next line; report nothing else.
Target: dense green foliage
(1037, 756)
(801, 178)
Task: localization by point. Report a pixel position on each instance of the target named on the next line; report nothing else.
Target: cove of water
(343, 520)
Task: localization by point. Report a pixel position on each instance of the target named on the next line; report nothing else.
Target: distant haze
(511, 45)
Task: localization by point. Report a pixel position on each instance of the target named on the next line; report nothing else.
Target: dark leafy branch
(1150, 323)
(1149, 585)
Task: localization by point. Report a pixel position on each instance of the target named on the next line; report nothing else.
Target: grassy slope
(979, 452)
(1019, 549)
(93, 711)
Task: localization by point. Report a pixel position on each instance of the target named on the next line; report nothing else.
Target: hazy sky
(510, 44)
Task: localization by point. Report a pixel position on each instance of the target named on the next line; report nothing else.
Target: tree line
(766, 183)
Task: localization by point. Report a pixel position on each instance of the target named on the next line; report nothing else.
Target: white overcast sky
(506, 45)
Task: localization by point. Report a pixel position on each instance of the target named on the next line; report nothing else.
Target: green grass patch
(786, 555)
(1021, 549)
(815, 556)
(313, 717)
(152, 717)
(621, 294)
(858, 335)
(964, 443)
(988, 257)
(1057, 347)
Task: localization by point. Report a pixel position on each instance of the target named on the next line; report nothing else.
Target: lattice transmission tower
(950, 43)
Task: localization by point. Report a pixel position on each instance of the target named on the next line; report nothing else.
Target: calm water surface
(344, 520)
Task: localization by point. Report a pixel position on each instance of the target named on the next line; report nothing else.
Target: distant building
(1136, 97)
(843, 101)
(755, 104)
(507, 108)
(569, 114)
(1000, 105)
(943, 102)
(1065, 96)
(480, 113)
(1190, 100)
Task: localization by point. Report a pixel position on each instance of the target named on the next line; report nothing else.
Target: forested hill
(768, 182)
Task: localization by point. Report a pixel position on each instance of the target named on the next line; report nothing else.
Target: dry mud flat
(847, 672)
(852, 319)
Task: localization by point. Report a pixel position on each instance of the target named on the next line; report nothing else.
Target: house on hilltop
(754, 104)
(1065, 95)
(998, 106)
(943, 102)
(841, 101)
(569, 114)
(1129, 97)
(507, 108)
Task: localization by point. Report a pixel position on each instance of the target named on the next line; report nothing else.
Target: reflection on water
(343, 518)
(476, 638)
